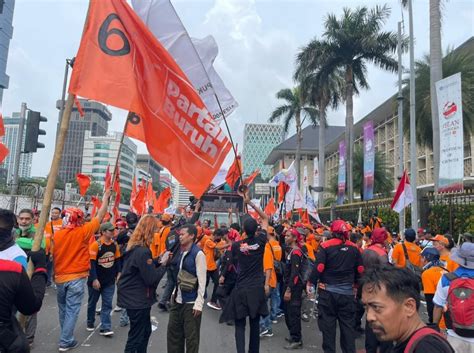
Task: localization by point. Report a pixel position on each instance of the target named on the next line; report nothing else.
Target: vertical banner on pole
(341, 180)
(451, 168)
(369, 160)
(316, 179)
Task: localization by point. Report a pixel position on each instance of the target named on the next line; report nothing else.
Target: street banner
(194, 56)
(316, 179)
(369, 160)
(121, 63)
(341, 179)
(451, 149)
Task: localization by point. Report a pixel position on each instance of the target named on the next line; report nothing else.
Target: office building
(101, 151)
(259, 141)
(146, 163)
(181, 195)
(95, 121)
(10, 140)
(6, 34)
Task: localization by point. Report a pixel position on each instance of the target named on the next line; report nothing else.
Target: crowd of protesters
(256, 271)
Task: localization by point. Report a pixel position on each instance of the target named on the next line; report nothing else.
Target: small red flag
(84, 181)
(234, 173)
(108, 178)
(249, 180)
(79, 107)
(150, 195)
(282, 189)
(2, 126)
(4, 151)
(162, 202)
(138, 203)
(270, 208)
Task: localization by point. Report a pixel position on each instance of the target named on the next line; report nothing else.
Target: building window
(100, 163)
(98, 170)
(101, 146)
(101, 154)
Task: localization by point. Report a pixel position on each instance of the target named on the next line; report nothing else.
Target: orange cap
(441, 239)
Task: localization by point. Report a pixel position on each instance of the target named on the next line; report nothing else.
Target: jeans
(124, 320)
(254, 339)
(266, 322)
(183, 329)
(69, 295)
(107, 294)
(140, 330)
(170, 285)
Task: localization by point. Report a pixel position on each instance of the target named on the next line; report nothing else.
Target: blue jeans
(69, 295)
(107, 294)
(266, 322)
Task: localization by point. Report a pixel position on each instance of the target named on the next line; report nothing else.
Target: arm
(105, 204)
(29, 296)
(437, 314)
(262, 214)
(196, 213)
(319, 265)
(201, 271)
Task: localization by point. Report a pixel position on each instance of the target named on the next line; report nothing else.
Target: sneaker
(263, 332)
(214, 306)
(279, 315)
(97, 311)
(106, 333)
(294, 345)
(268, 333)
(117, 309)
(90, 328)
(274, 321)
(73, 345)
(305, 317)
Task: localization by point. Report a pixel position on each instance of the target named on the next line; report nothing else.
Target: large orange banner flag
(121, 63)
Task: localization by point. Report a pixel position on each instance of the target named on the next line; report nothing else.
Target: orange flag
(121, 63)
(116, 213)
(234, 172)
(116, 188)
(84, 181)
(133, 193)
(150, 195)
(2, 126)
(282, 189)
(249, 180)
(304, 218)
(79, 107)
(270, 208)
(108, 179)
(3, 152)
(95, 205)
(138, 203)
(162, 201)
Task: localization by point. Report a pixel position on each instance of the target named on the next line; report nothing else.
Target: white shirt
(201, 272)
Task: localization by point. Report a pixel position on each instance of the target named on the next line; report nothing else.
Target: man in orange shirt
(441, 243)
(50, 228)
(412, 250)
(71, 266)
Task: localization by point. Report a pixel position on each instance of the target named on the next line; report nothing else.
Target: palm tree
(436, 74)
(352, 42)
(460, 61)
(323, 92)
(383, 179)
(295, 109)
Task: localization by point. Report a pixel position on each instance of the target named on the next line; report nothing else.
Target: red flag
(289, 215)
(2, 126)
(133, 193)
(403, 195)
(3, 152)
(121, 63)
(282, 189)
(116, 213)
(84, 181)
(95, 205)
(234, 173)
(79, 107)
(138, 203)
(162, 202)
(249, 180)
(270, 208)
(108, 178)
(150, 195)
(304, 218)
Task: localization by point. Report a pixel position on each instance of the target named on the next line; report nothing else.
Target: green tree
(383, 180)
(454, 62)
(295, 109)
(353, 41)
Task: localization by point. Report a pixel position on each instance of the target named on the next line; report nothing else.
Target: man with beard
(391, 297)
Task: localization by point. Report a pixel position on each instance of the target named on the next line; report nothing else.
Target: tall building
(95, 120)
(6, 33)
(101, 151)
(145, 162)
(181, 196)
(10, 140)
(259, 141)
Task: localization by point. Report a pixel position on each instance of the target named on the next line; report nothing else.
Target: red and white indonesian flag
(403, 196)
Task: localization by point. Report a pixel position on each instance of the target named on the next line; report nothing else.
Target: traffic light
(33, 131)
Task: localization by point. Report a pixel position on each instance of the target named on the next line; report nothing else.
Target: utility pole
(413, 147)
(401, 216)
(16, 166)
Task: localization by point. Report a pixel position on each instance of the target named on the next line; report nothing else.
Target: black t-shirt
(107, 263)
(248, 254)
(428, 344)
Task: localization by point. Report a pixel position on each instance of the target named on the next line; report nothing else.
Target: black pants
(333, 307)
(183, 329)
(372, 343)
(254, 343)
(214, 275)
(359, 313)
(429, 307)
(293, 314)
(140, 330)
(12, 338)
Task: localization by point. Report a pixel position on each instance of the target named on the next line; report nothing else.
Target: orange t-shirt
(268, 265)
(158, 246)
(203, 240)
(71, 251)
(413, 251)
(311, 240)
(310, 251)
(430, 279)
(277, 251)
(50, 228)
(208, 250)
(450, 265)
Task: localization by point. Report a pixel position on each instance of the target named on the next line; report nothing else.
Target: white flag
(403, 196)
(196, 60)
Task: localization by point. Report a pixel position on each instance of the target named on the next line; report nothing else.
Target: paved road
(215, 337)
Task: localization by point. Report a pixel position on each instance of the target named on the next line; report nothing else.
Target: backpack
(415, 269)
(418, 336)
(461, 305)
(307, 265)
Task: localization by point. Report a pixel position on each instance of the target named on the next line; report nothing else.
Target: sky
(258, 42)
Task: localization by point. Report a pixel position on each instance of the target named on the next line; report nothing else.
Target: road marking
(83, 344)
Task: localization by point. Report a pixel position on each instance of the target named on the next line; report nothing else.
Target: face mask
(23, 228)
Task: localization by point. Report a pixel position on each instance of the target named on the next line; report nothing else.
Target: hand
(196, 313)
(38, 258)
(287, 296)
(221, 279)
(96, 284)
(245, 195)
(267, 290)
(106, 196)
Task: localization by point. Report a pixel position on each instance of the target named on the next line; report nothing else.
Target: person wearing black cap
(248, 299)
